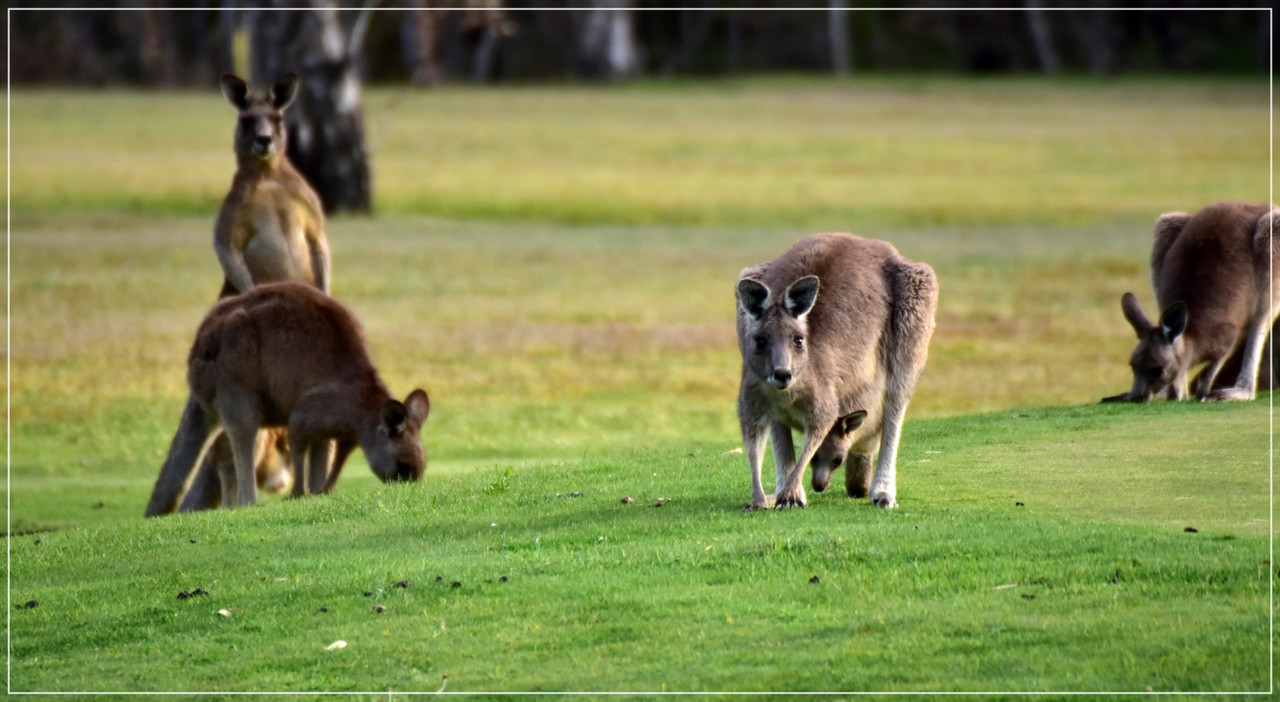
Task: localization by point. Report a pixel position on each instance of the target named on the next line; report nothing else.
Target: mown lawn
(555, 266)
(1035, 551)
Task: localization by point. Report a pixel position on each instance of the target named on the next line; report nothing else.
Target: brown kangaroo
(286, 354)
(271, 225)
(270, 230)
(836, 323)
(1212, 280)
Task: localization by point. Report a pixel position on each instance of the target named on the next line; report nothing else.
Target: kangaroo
(286, 354)
(271, 225)
(270, 229)
(838, 321)
(1212, 281)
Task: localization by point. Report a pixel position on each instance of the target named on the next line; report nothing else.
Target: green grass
(798, 153)
(576, 335)
(1090, 584)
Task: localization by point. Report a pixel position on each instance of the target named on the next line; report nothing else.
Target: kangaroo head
(834, 448)
(774, 339)
(260, 131)
(1157, 359)
(396, 454)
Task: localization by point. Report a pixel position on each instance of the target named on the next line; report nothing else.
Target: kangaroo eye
(761, 342)
(798, 341)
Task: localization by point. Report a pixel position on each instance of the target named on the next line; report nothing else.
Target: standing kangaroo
(271, 225)
(270, 230)
(834, 335)
(1212, 280)
(286, 354)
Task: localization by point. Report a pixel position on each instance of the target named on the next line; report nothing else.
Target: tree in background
(605, 41)
(481, 25)
(326, 123)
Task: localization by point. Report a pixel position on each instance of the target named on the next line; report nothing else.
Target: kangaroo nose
(263, 141)
(782, 376)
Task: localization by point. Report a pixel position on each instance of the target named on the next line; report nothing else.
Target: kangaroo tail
(205, 490)
(193, 432)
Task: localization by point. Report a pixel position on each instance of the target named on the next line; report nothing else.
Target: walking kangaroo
(834, 335)
(286, 354)
(270, 230)
(1212, 281)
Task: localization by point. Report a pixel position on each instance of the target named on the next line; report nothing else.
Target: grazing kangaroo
(286, 354)
(836, 323)
(1212, 280)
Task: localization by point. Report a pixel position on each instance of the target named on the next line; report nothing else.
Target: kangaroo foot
(277, 482)
(884, 500)
(1229, 395)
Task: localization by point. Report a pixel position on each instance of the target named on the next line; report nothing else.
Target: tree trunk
(325, 123)
(606, 47)
(1097, 31)
(838, 31)
(157, 47)
(1043, 39)
(420, 32)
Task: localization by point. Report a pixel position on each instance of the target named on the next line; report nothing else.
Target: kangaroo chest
(271, 230)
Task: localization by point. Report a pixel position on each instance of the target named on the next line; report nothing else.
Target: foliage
(191, 47)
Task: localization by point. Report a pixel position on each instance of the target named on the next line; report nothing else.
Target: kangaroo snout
(781, 378)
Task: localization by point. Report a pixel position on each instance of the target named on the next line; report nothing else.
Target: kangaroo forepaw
(1229, 395)
(758, 504)
(790, 498)
(884, 500)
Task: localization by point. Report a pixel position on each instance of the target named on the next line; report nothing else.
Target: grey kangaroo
(1212, 280)
(286, 354)
(834, 335)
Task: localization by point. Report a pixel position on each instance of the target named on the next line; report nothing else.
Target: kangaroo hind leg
(915, 302)
(1265, 312)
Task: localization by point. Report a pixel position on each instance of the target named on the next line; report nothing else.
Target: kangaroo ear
(850, 422)
(395, 418)
(1174, 321)
(753, 296)
(801, 295)
(284, 90)
(418, 405)
(235, 89)
(1133, 313)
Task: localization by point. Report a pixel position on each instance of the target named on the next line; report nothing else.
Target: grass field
(555, 266)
